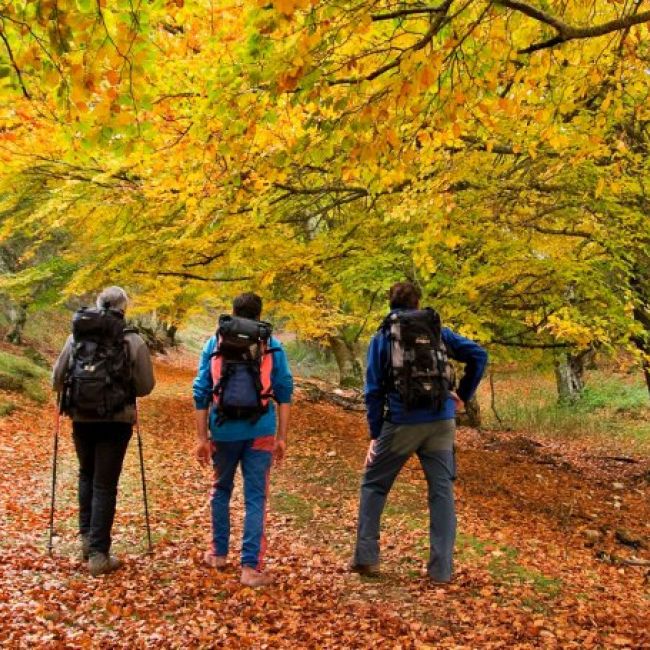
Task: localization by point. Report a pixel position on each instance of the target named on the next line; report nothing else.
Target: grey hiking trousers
(433, 442)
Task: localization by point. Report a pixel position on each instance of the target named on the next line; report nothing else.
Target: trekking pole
(144, 482)
(55, 454)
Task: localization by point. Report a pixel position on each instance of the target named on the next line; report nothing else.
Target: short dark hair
(404, 295)
(247, 305)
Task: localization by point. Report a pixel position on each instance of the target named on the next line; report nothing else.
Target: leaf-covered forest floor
(540, 557)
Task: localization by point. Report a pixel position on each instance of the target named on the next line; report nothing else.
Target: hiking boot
(368, 570)
(253, 578)
(100, 563)
(215, 561)
(85, 548)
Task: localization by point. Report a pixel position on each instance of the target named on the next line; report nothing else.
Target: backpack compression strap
(265, 387)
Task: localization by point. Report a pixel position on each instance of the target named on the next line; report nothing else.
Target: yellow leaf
(51, 78)
(286, 7)
(427, 76)
(452, 240)
(392, 138)
(124, 118)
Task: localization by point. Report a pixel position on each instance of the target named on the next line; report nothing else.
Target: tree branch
(536, 14)
(192, 276)
(531, 346)
(362, 327)
(564, 231)
(324, 189)
(403, 13)
(566, 32)
(15, 65)
(435, 27)
(207, 259)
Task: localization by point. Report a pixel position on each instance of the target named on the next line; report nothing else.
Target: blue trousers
(433, 443)
(255, 457)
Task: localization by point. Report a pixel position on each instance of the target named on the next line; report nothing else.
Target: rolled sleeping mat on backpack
(244, 328)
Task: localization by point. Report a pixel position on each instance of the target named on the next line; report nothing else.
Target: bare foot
(215, 561)
(252, 578)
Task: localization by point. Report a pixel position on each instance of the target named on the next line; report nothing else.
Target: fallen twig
(617, 559)
(620, 459)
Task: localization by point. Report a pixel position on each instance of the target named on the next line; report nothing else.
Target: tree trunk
(18, 318)
(569, 375)
(644, 348)
(170, 331)
(646, 373)
(347, 360)
(472, 415)
(642, 342)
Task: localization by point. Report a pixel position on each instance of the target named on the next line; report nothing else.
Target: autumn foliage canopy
(496, 152)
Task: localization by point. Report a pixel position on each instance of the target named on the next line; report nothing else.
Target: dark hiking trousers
(433, 443)
(101, 447)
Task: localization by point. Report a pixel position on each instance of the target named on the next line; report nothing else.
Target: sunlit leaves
(259, 140)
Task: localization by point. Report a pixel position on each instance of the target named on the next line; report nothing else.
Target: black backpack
(99, 381)
(420, 371)
(241, 369)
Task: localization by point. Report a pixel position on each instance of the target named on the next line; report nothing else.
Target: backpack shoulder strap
(268, 348)
(434, 315)
(215, 349)
(384, 326)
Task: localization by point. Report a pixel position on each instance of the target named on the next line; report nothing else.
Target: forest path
(527, 573)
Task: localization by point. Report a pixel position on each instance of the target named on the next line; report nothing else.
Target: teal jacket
(232, 430)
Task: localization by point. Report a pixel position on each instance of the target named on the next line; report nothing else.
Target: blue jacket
(231, 430)
(378, 397)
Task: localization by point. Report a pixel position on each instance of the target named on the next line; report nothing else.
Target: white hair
(113, 298)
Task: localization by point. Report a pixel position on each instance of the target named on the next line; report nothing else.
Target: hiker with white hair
(101, 370)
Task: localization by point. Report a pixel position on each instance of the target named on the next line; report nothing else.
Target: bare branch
(192, 276)
(15, 65)
(536, 14)
(362, 327)
(564, 231)
(164, 98)
(531, 346)
(542, 45)
(403, 13)
(207, 259)
(566, 32)
(435, 27)
(333, 189)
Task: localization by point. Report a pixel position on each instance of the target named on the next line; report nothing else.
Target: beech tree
(495, 152)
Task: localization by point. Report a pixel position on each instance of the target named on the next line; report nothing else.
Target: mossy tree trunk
(347, 360)
(569, 376)
(18, 318)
